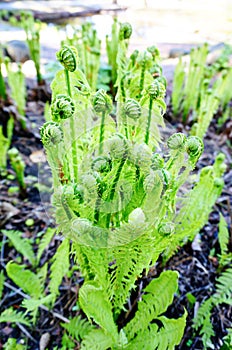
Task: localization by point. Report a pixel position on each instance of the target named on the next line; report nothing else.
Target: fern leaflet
(22, 245)
(10, 315)
(59, 267)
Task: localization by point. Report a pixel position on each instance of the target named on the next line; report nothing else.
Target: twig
(26, 332)
(54, 314)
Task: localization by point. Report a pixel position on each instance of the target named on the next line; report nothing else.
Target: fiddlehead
(102, 104)
(62, 108)
(67, 56)
(194, 147)
(132, 110)
(102, 164)
(166, 228)
(155, 91)
(125, 31)
(157, 162)
(154, 51)
(118, 147)
(51, 134)
(176, 141)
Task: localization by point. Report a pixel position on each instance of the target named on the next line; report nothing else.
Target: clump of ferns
(113, 162)
(113, 188)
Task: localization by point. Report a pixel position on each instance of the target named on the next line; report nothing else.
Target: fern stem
(142, 76)
(113, 187)
(102, 128)
(146, 140)
(72, 128)
(97, 211)
(125, 126)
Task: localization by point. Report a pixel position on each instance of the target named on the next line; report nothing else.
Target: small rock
(44, 340)
(17, 51)
(177, 52)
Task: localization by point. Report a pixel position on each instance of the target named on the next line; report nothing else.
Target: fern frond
(227, 340)
(223, 238)
(60, 266)
(158, 295)
(223, 294)
(10, 315)
(44, 242)
(32, 305)
(97, 339)
(166, 337)
(130, 260)
(178, 81)
(22, 245)
(78, 328)
(203, 312)
(96, 305)
(224, 286)
(12, 344)
(25, 279)
(207, 332)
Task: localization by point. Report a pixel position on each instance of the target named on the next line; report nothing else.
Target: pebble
(17, 51)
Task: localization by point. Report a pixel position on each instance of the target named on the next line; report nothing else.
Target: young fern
(120, 206)
(223, 294)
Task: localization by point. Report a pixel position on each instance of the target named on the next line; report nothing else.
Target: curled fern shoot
(62, 108)
(102, 104)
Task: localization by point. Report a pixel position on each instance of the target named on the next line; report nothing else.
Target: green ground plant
(32, 29)
(199, 89)
(5, 142)
(222, 294)
(2, 82)
(17, 84)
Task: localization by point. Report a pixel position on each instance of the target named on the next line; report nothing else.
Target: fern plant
(16, 81)
(223, 294)
(199, 89)
(32, 29)
(5, 142)
(116, 197)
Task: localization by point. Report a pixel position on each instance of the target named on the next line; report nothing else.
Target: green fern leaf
(224, 286)
(34, 304)
(207, 332)
(223, 237)
(78, 328)
(11, 344)
(130, 260)
(59, 267)
(25, 279)
(10, 315)
(227, 340)
(96, 305)
(202, 313)
(22, 245)
(97, 339)
(165, 337)
(158, 296)
(43, 244)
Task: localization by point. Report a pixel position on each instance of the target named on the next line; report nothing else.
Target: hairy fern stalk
(115, 195)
